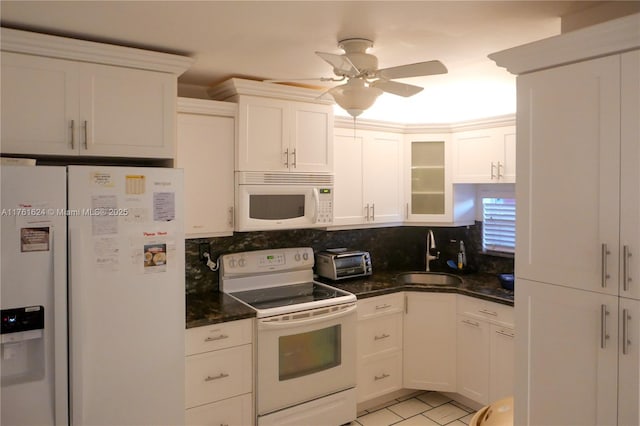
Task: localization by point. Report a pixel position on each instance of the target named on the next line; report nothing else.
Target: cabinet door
(236, 411)
(205, 152)
(429, 344)
(348, 201)
(568, 159)
(39, 105)
(311, 146)
(501, 362)
(263, 139)
(382, 156)
(629, 363)
(379, 375)
(475, 157)
(630, 176)
(507, 172)
(127, 112)
(485, 156)
(472, 374)
(567, 343)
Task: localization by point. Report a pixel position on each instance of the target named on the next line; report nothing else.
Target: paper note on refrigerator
(164, 206)
(103, 222)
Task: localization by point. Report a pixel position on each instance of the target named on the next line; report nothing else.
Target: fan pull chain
(354, 128)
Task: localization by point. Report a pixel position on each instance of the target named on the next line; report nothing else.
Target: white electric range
(306, 334)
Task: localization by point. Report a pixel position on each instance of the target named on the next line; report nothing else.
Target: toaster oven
(339, 264)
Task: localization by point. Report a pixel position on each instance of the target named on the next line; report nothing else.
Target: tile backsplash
(392, 249)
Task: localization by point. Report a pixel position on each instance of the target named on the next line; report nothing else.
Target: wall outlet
(202, 249)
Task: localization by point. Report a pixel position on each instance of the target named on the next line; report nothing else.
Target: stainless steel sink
(429, 278)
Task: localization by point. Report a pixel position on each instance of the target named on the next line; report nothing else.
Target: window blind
(499, 224)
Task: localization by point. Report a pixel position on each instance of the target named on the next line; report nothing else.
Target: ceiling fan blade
(396, 88)
(341, 64)
(412, 70)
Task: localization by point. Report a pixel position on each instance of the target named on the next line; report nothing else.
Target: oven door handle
(285, 320)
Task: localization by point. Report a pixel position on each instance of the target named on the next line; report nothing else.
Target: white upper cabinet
(569, 175)
(40, 105)
(277, 129)
(485, 155)
(69, 97)
(368, 186)
(630, 177)
(206, 132)
(430, 195)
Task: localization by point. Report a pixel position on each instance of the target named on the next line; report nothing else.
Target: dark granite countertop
(215, 307)
(480, 285)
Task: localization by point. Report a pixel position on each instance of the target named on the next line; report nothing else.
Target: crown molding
(206, 107)
(31, 43)
(607, 38)
(382, 126)
(229, 89)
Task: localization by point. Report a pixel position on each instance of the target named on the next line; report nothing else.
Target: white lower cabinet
(441, 342)
(235, 411)
(501, 362)
(569, 374)
(473, 359)
(429, 348)
(485, 336)
(219, 374)
(379, 346)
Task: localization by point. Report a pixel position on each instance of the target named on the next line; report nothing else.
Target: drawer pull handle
(473, 323)
(504, 333)
(385, 306)
(488, 312)
(219, 376)
(384, 376)
(383, 336)
(213, 339)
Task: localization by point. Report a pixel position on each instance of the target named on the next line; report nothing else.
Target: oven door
(266, 207)
(305, 355)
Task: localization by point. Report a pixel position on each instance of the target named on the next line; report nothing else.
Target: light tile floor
(423, 409)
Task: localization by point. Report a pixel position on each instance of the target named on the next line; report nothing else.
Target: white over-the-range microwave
(279, 200)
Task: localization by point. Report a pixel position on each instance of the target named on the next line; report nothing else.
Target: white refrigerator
(92, 296)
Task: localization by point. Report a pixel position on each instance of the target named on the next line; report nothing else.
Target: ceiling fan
(364, 81)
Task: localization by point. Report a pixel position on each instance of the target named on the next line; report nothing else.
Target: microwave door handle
(316, 199)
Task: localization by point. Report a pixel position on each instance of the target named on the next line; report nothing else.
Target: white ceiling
(273, 40)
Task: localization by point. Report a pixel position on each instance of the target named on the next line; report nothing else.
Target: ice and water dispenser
(23, 357)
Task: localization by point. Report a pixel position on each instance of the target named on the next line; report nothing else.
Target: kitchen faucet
(432, 252)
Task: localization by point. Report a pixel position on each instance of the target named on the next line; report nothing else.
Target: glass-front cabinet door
(427, 178)
(429, 192)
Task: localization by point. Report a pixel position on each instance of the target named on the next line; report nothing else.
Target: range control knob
(242, 262)
(297, 257)
(305, 256)
(232, 262)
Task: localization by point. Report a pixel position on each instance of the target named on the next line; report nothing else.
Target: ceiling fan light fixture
(355, 96)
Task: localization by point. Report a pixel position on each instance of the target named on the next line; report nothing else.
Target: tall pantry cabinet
(578, 228)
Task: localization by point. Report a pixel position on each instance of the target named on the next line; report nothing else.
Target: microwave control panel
(325, 205)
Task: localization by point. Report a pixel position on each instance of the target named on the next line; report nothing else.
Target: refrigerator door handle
(76, 331)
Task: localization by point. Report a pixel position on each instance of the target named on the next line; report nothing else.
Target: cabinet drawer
(217, 375)
(483, 309)
(218, 336)
(379, 335)
(379, 375)
(236, 411)
(380, 305)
